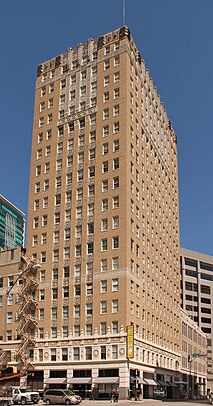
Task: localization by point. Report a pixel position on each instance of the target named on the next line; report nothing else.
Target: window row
(77, 352)
(67, 217)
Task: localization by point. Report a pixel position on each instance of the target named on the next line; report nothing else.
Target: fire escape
(26, 314)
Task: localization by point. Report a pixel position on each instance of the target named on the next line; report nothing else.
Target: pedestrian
(113, 396)
(116, 395)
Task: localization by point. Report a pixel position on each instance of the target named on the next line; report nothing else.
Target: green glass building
(11, 225)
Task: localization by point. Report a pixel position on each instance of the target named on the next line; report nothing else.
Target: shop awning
(111, 379)
(180, 382)
(55, 380)
(172, 384)
(150, 382)
(140, 380)
(163, 383)
(80, 380)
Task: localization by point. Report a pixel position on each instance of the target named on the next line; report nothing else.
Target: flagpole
(124, 17)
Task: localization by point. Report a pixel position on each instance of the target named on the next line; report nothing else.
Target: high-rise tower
(103, 218)
(12, 225)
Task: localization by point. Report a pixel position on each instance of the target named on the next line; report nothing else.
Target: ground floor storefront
(98, 381)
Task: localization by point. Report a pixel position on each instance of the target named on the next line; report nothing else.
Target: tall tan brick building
(103, 222)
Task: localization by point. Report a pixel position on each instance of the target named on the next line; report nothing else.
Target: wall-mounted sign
(130, 341)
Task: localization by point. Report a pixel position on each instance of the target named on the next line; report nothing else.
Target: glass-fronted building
(12, 225)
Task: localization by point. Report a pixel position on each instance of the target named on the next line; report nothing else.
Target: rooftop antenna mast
(124, 12)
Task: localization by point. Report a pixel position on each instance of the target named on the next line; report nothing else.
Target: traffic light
(189, 358)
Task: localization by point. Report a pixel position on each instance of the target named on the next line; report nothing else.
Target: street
(146, 402)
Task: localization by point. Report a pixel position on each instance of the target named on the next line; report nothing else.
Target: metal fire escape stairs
(26, 314)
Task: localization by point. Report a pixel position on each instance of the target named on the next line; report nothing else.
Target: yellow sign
(130, 341)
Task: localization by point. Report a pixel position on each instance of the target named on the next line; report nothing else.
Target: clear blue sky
(175, 37)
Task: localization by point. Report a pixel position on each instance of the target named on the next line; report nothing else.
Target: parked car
(6, 401)
(61, 397)
(24, 396)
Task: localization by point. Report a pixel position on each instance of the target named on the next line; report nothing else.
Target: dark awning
(84, 380)
(111, 379)
(172, 384)
(150, 382)
(163, 383)
(55, 380)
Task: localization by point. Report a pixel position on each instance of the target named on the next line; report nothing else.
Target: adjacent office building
(11, 225)
(197, 296)
(103, 223)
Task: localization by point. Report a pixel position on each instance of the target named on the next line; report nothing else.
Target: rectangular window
(105, 148)
(92, 136)
(103, 328)
(93, 86)
(116, 60)
(115, 202)
(115, 327)
(37, 187)
(115, 284)
(64, 354)
(104, 244)
(114, 352)
(116, 182)
(106, 97)
(116, 93)
(103, 307)
(89, 268)
(116, 110)
(104, 265)
(105, 131)
(115, 306)
(116, 163)
(105, 186)
(54, 313)
(104, 204)
(116, 77)
(42, 294)
(76, 354)
(91, 190)
(103, 352)
(54, 293)
(90, 209)
(55, 274)
(105, 167)
(116, 127)
(66, 291)
(92, 153)
(115, 222)
(88, 353)
(65, 312)
(115, 263)
(106, 80)
(93, 119)
(107, 64)
(53, 354)
(106, 114)
(104, 224)
(89, 309)
(104, 286)
(43, 256)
